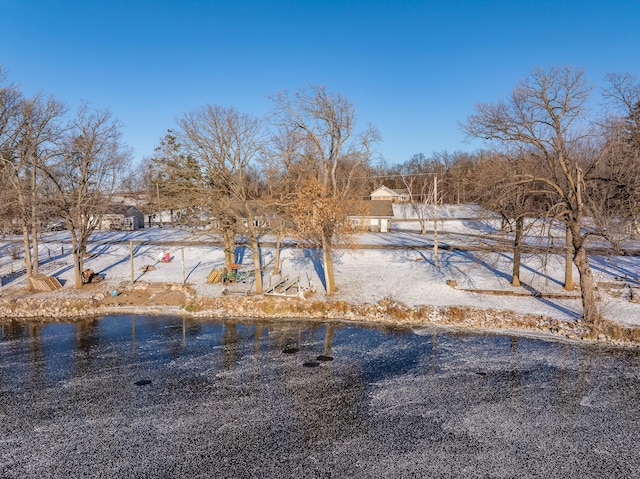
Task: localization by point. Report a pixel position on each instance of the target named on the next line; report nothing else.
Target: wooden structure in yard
(44, 284)
(289, 287)
(215, 276)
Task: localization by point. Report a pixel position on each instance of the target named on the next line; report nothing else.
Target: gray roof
(380, 208)
(122, 209)
(376, 209)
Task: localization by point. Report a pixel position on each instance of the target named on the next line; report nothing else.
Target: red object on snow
(166, 258)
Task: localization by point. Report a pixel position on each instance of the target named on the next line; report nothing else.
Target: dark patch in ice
(322, 357)
(143, 382)
(290, 350)
(311, 364)
(481, 373)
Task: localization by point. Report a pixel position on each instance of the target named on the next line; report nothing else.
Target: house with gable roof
(396, 196)
(376, 216)
(122, 217)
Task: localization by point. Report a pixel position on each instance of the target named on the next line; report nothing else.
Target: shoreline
(179, 300)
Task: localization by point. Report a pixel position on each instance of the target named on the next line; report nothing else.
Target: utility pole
(159, 209)
(133, 279)
(436, 263)
(183, 278)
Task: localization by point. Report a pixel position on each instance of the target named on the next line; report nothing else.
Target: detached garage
(378, 216)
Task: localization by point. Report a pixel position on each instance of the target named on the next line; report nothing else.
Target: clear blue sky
(413, 68)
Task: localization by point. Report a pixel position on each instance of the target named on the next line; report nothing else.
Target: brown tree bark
(544, 121)
(276, 259)
(257, 264)
(327, 259)
(590, 313)
(517, 251)
(568, 261)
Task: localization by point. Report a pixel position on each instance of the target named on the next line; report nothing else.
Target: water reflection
(384, 352)
(232, 384)
(48, 350)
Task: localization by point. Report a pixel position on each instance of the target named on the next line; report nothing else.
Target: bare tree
(94, 162)
(458, 176)
(10, 119)
(29, 130)
(499, 189)
(228, 145)
(422, 194)
(618, 178)
(284, 172)
(334, 154)
(545, 118)
(455, 171)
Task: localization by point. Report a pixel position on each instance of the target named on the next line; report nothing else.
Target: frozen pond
(136, 396)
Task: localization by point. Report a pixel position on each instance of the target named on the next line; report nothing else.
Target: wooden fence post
(131, 261)
(183, 278)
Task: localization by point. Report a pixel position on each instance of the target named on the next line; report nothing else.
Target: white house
(396, 196)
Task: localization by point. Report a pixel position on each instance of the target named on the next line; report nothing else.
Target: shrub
(15, 251)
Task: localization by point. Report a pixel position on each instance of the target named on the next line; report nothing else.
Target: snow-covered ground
(398, 265)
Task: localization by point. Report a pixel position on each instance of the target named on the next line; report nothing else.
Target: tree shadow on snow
(574, 313)
(535, 271)
(238, 254)
(617, 269)
(469, 256)
(315, 255)
(125, 259)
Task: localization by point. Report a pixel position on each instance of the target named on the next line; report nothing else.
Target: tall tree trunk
(35, 257)
(590, 314)
(28, 262)
(257, 263)
(77, 260)
(84, 239)
(276, 259)
(228, 237)
(27, 233)
(517, 252)
(568, 261)
(327, 260)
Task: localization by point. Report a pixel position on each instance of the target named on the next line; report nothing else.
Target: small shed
(120, 217)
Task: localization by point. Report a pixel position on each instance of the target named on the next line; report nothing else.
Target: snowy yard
(398, 265)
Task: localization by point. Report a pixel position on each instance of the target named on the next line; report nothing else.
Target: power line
(429, 175)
